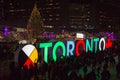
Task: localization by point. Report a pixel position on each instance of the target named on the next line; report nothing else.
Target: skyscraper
(59, 14)
(93, 16)
(52, 12)
(17, 12)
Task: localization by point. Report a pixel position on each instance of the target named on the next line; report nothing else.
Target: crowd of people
(88, 66)
(92, 67)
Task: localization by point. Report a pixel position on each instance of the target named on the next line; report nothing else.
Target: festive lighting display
(5, 31)
(79, 35)
(111, 35)
(74, 47)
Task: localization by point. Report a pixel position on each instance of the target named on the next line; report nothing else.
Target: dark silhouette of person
(105, 75)
(73, 76)
(25, 73)
(91, 76)
(85, 70)
(118, 70)
(98, 72)
(80, 77)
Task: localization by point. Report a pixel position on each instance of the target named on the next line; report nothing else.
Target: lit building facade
(92, 17)
(80, 16)
(17, 12)
(52, 12)
(58, 14)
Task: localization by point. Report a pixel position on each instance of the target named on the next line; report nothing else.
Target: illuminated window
(57, 18)
(57, 3)
(88, 19)
(43, 19)
(10, 3)
(50, 19)
(57, 7)
(50, 15)
(88, 12)
(57, 15)
(109, 26)
(11, 10)
(47, 11)
(19, 10)
(88, 15)
(50, 4)
(76, 8)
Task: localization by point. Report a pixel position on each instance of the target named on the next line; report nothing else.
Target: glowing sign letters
(74, 47)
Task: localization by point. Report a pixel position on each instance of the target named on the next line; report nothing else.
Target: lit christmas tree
(35, 24)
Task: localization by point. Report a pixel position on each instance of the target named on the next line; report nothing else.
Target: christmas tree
(35, 23)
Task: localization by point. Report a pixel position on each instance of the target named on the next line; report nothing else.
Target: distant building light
(19, 10)
(57, 15)
(57, 3)
(48, 26)
(88, 12)
(23, 42)
(50, 19)
(109, 26)
(73, 26)
(20, 29)
(50, 15)
(79, 35)
(88, 19)
(11, 10)
(43, 19)
(51, 0)
(57, 18)
(58, 7)
(76, 8)
(10, 3)
(50, 4)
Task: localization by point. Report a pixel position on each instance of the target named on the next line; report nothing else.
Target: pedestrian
(105, 74)
(118, 70)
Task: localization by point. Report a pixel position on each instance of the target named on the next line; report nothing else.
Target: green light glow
(88, 46)
(45, 46)
(96, 43)
(58, 44)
